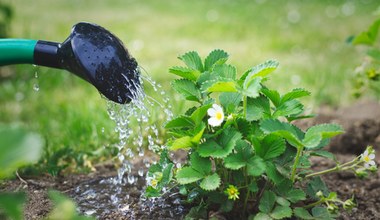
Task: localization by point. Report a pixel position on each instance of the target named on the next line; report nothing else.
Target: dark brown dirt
(360, 121)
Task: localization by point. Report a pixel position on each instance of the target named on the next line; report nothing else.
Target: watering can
(90, 52)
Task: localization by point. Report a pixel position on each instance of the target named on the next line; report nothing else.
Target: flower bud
(348, 205)
(332, 208)
(319, 194)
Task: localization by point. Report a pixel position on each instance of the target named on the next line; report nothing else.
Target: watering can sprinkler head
(92, 53)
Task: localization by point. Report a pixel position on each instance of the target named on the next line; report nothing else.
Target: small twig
(21, 179)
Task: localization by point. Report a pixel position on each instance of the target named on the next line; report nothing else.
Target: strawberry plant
(245, 156)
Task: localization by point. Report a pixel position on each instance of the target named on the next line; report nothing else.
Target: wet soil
(360, 121)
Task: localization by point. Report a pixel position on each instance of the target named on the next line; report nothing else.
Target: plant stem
(245, 107)
(345, 166)
(314, 204)
(296, 161)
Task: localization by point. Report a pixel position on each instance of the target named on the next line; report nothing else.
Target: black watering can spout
(94, 54)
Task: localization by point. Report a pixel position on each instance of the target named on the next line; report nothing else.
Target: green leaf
(64, 208)
(267, 201)
(230, 100)
(215, 57)
(262, 216)
(290, 132)
(230, 86)
(294, 94)
(323, 153)
(321, 213)
(368, 37)
(192, 60)
(180, 122)
(167, 174)
(272, 173)
(271, 146)
(314, 185)
(257, 108)
(239, 159)
(188, 175)
(185, 72)
(291, 107)
(273, 95)
(12, 204)
(210, 182)
(253, 187)
(18, 147)
(225, 71)
(296, 195)
(315, 134)
(374, 53)
(302, 213)
(151, 192)
(198, 115)
(200, 164)
(187, 89)
(256, 166)
(199, 133)
(281, 212)
(262, 70)
(251, 88)
(181, 143)
(282, 201)
(223, 147)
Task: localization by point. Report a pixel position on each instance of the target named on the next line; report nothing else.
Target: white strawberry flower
(368, 158)
(216, 115)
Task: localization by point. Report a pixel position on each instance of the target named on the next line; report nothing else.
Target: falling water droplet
(102, 129)
(36, 75)
(36, 87)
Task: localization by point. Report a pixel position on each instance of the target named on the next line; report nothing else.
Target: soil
(95, 194)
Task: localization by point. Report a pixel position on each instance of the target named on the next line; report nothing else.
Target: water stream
(137, 126)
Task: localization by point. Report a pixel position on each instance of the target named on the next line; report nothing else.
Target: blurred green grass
(306, 37)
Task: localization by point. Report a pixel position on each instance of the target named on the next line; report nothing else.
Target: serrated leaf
(230, 100)
(167, 174)
(239, 159)
(188, 175)
(321, 213)
(296, 195)
(187, 89)
(215, 57)
(272, 173)
(315, 134)
(181, 143)
(211, 182)
(282, 201)
(323, 153)
(262, 70)
(270, 147)
(262, 216)
(281, 212)
(200, 164)
(225, 71)
(290, 132)
(253, 187)
(314, 185)
(267, 201)
(302, 213)
(185, 72)
(294, 94)
(291, 107)
(256, 166)
(180, 122)
(252, 87)
(223, 147)
(223, 87)
(257, 108)
(192, 60)
(273, 95)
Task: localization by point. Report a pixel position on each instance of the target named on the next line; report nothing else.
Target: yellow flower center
(367, 159)
(219, 115)
(232, 191)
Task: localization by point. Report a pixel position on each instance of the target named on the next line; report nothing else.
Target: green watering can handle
(17, 51)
